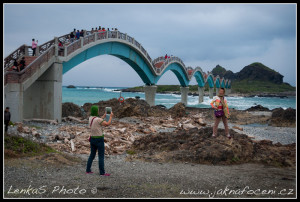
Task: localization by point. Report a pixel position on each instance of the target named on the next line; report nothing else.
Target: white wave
(167, 100)
(85, 88)
(111, 89)
(175, 95)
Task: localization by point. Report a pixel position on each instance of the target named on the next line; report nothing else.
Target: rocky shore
(143, 141)
(135, 118)
(233, 94)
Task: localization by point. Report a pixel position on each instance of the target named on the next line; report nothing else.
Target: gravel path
(137, 179)
(284, 135)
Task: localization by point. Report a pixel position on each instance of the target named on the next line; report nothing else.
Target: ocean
(82, 94)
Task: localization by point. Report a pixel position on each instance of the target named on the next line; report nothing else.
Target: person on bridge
(97, 139)
(15, 67)
(82, 33)
(22, 64)
(166, 56)
(77, 35)
(60, 48)
(219, 103)
(102, 32)
(33, 46)
(72, 36)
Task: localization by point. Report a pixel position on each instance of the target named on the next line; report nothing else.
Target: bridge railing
(106, 35)
(19, 77)
(159, 59)
(15, 55)
(73, 47)
(170, 60)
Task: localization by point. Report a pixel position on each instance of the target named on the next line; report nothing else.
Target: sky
(204, 35)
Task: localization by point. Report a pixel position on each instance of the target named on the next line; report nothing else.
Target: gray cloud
(232, 35)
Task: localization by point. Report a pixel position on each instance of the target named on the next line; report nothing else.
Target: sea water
(82, 94)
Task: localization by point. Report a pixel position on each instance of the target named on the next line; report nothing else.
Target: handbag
(91, 126)
(219, 113)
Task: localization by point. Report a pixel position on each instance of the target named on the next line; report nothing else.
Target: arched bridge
(36, 91)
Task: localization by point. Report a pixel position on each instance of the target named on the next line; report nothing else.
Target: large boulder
(283, 118)
(71, 109)
(71, 86)
(178, 110)
(258, 108)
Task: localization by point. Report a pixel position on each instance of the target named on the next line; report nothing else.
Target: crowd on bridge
(18, 66)
(75, 35)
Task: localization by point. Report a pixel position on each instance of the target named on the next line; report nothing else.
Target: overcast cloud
(231, 35)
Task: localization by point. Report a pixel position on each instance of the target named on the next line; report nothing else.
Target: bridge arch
(120, 50)
(222, 83)
(178, 70)
(199, 76)
(210, 80)
(226, 83)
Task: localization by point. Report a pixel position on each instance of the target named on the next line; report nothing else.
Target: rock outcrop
(71, 109)
(258, 71)
(71, 86)
(258, 108)
(198, 146)
(283, 118)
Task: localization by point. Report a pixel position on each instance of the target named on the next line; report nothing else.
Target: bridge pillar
(211, 93)
(217, 91)
(150, 92)
(201, 94)
(226, 91)
(184, 95)
(13, 98)
(43, 99)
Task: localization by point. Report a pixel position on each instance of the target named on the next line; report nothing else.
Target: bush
(21, 146)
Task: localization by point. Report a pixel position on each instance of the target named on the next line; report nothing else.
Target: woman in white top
(97, 139)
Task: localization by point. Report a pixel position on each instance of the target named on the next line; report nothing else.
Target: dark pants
(33, 53)
(6, 125)
(96, 144)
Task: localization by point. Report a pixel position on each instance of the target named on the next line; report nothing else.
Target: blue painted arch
(179, 71)
(119, 50)
(199, 78)
(210, 81)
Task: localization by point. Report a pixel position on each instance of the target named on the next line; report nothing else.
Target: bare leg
(225, 122)
(215, 128)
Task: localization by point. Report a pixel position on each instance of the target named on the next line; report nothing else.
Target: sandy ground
(53, 176)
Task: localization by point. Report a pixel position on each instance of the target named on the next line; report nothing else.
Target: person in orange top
(220, 103)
